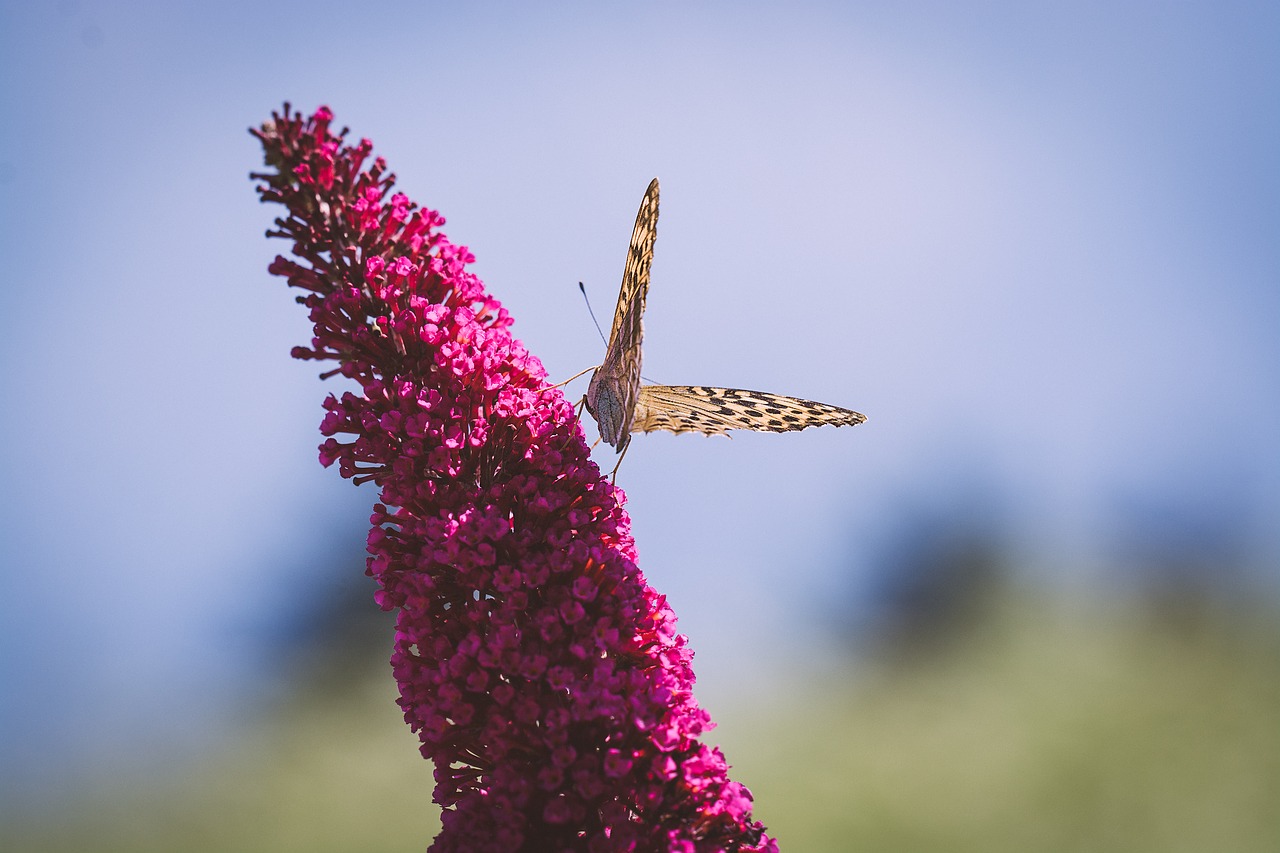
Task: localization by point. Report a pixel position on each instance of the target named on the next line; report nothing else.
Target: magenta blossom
(541, 673)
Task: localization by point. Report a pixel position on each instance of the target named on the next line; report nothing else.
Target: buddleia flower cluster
(543, 676)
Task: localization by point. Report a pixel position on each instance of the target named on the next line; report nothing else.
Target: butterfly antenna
(613, 475)
(583, 288)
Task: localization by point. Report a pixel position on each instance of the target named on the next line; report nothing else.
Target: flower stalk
(543, 676)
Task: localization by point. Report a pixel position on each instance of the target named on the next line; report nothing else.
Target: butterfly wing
(714, 411)
(615, 386)
(625, 333)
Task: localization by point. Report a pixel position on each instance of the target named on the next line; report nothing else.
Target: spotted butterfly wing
(615, 386)
(714, 411)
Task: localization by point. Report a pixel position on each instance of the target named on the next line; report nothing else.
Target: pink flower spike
(542, 675)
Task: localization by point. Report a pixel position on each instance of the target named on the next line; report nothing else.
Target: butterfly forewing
(714, 411)
(615, 386)
(635, 276)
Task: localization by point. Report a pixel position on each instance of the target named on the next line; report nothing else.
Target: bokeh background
(1031, 604)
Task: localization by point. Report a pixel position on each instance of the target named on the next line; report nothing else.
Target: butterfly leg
(613, 475)
(581, 404)
(570, 379)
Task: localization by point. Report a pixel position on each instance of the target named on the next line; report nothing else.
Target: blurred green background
(1061, 725)
(1031, 604)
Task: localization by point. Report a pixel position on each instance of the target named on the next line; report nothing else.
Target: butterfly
(621, 405)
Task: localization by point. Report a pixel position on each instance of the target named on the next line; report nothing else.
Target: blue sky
(1037, 247)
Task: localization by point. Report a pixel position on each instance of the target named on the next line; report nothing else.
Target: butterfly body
(621, 405)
